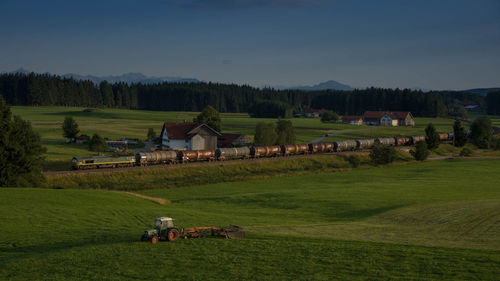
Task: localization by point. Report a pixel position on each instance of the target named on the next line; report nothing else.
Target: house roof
(319, 111)
(228, 138)
(351, 118)
(380, 114)
(182, 131)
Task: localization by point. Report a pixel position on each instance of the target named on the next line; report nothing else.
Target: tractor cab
(164, 223)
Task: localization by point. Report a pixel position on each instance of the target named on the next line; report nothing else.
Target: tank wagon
(265, 151)
(415, 139)
(443, 136)
(364, 144)
(156, 157)
(321, 147)
(294, 149)
(387, 141)
(232, 153)
(195, 155)
(345, 145)
(400, 141)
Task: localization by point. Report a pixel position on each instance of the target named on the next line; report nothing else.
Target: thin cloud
(245, 4)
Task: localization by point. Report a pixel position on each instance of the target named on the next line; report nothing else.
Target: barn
(188, 136)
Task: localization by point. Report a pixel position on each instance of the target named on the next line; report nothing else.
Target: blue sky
(439, 44)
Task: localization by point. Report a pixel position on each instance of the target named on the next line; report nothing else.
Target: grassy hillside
(431, 220)
(120, 123)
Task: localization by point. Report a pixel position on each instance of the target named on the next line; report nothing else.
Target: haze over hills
(328, 85)
(137, 77)
(126, 77)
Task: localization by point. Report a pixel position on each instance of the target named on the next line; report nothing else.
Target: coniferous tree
(210, 117)
(70, 128)
(459, 134)
(151, 134)
(265, 134)
(431, 137)
(21, 154)
(481, 132)
(421, 151)
(285, 132)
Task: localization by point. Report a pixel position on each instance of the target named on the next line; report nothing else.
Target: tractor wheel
(154, 240)
(172, 234)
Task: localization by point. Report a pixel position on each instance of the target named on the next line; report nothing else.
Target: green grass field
(120, 123)
(436, 220)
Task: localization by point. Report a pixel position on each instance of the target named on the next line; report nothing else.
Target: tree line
(41, 89)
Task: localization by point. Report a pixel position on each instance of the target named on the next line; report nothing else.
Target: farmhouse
(388, 118)
(311, 113)
(232, 140)
(353, 120)
(188, 136)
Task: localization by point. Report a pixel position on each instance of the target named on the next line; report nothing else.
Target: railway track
(204, 163)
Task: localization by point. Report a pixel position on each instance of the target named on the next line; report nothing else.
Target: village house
(232, 140)
(188, 136)
(388, 118)
(82, 139)
(312, 113)
(353, 120)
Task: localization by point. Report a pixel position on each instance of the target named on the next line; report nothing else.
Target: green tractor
(164, 230)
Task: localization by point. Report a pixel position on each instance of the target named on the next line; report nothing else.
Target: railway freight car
(294, 149)
(232, 153)
(321, 147)
(387, 141)
(195, 155)
(345, 145)
(265, 151)
(400, 141)
(415, 139)
(365, 144)
(156, 157)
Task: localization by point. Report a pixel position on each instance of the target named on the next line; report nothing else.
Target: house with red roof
(388, 118)
(188, 136)
(353, 120)
(311, 113)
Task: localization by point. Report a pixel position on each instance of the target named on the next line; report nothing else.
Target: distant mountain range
(328, 85)
(127, 78)
(482, 91)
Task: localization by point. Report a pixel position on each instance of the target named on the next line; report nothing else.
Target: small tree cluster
(269, 134)
(460, 137)
(481, 132)
(211, 117)
(21, 153)
(151, 134)
(431, 137)
(421, 151)
(382, 154)
(97, 143)
(329, 117)
(70, 128)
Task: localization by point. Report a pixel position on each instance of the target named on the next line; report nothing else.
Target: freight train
(220, 154)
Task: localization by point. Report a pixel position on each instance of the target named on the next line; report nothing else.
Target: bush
(354, 160)
(265, 134)
(381, 154)
(431, 137)
(421, 151)
(481, 132)
(329, 116)
(466, 152)
(285, 132)
(97, 143)
(496, 144)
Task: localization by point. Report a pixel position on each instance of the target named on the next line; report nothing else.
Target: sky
(428, 44)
